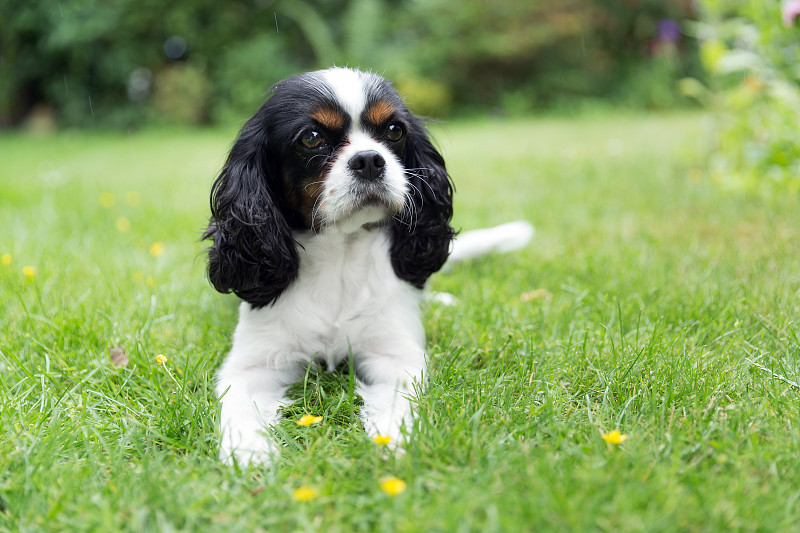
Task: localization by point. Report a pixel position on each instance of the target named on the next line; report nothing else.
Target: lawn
(650, 302)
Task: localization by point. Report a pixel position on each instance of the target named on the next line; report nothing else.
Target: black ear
(253, 252)
(422, 234)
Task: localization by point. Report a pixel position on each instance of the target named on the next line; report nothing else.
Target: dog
(330, 214)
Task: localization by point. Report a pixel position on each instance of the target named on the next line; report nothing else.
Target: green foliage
(181, 95)
(78, 58)
(245, 71)
(754, 91)
(522, 56)
(671, 316)
(90, 62)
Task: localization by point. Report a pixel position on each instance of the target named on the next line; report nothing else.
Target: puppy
(328, 217)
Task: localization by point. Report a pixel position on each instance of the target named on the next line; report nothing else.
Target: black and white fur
(330, 214)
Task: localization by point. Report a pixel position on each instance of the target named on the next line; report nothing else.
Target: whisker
(305, 189)
(423, 180)
(315, 209)
(326, 157)
(421, 176)
(419, 192)
(408, 216)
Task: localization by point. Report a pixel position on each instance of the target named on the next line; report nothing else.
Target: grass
(668, 312)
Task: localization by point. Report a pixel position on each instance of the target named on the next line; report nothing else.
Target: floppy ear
(253, 252)
(422, 234)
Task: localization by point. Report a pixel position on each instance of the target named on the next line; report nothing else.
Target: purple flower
(668, 30)
(791, 9)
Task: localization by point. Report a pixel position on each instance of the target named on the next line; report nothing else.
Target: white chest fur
(345, 296)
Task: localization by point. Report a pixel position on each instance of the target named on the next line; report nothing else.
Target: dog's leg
(386, 384)
(250, 399)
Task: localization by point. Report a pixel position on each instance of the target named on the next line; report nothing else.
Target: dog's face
(342, 135)
(331, 150)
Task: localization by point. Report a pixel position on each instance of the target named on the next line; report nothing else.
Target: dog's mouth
(372, 196)
(367, 206)
(353, 203)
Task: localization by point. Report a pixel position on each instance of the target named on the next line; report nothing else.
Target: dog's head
(332, 150)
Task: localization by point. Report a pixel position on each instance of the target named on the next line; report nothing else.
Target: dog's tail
(499, 239)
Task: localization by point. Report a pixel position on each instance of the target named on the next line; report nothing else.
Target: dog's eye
(313, 139)
(394, 132)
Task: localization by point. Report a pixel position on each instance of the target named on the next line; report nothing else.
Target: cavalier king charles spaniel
(328, 217)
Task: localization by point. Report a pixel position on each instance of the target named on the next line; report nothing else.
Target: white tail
(499, 239)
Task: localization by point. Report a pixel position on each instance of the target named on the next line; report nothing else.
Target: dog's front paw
(388, 429)
(246, 447)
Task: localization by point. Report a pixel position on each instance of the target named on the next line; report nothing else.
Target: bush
(244, 74)
(181, 95)
(94, 63)
(85, 59)
(424, 96)
(754, 92)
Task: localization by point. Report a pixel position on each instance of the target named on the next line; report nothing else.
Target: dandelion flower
(6, 259)
(383, 440)
(106, 200)
(305, 493)
(150, 281)
(614, 437)
(393, 486)
(307, 420)
(29, 272)
(123, 224)
(157, 248)
(161, 359)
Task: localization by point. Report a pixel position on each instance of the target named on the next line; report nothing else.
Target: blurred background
(130, 63)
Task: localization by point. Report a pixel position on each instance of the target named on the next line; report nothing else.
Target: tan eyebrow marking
(379, 112)
(330, 118)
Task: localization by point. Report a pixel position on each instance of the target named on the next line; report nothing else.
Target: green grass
(672, 317)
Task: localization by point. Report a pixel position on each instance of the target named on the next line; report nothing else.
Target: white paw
(247, 446)
(388, 427)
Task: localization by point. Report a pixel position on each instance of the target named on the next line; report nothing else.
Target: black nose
(367, 165)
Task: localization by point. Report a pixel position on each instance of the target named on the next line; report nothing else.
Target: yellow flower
(106, 200)
(6, 259)
(161, 359)
(157, 248)
(307, 420)
(150, 281)
(305, 493)
(29, 272)
(393, 486)
(123, 224)
(133, 198)
(614, 437)
(382, 440)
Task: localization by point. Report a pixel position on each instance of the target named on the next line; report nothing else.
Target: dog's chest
(345, 300)
(343, 282)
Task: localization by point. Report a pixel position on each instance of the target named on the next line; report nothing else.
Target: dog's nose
(367, 165)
